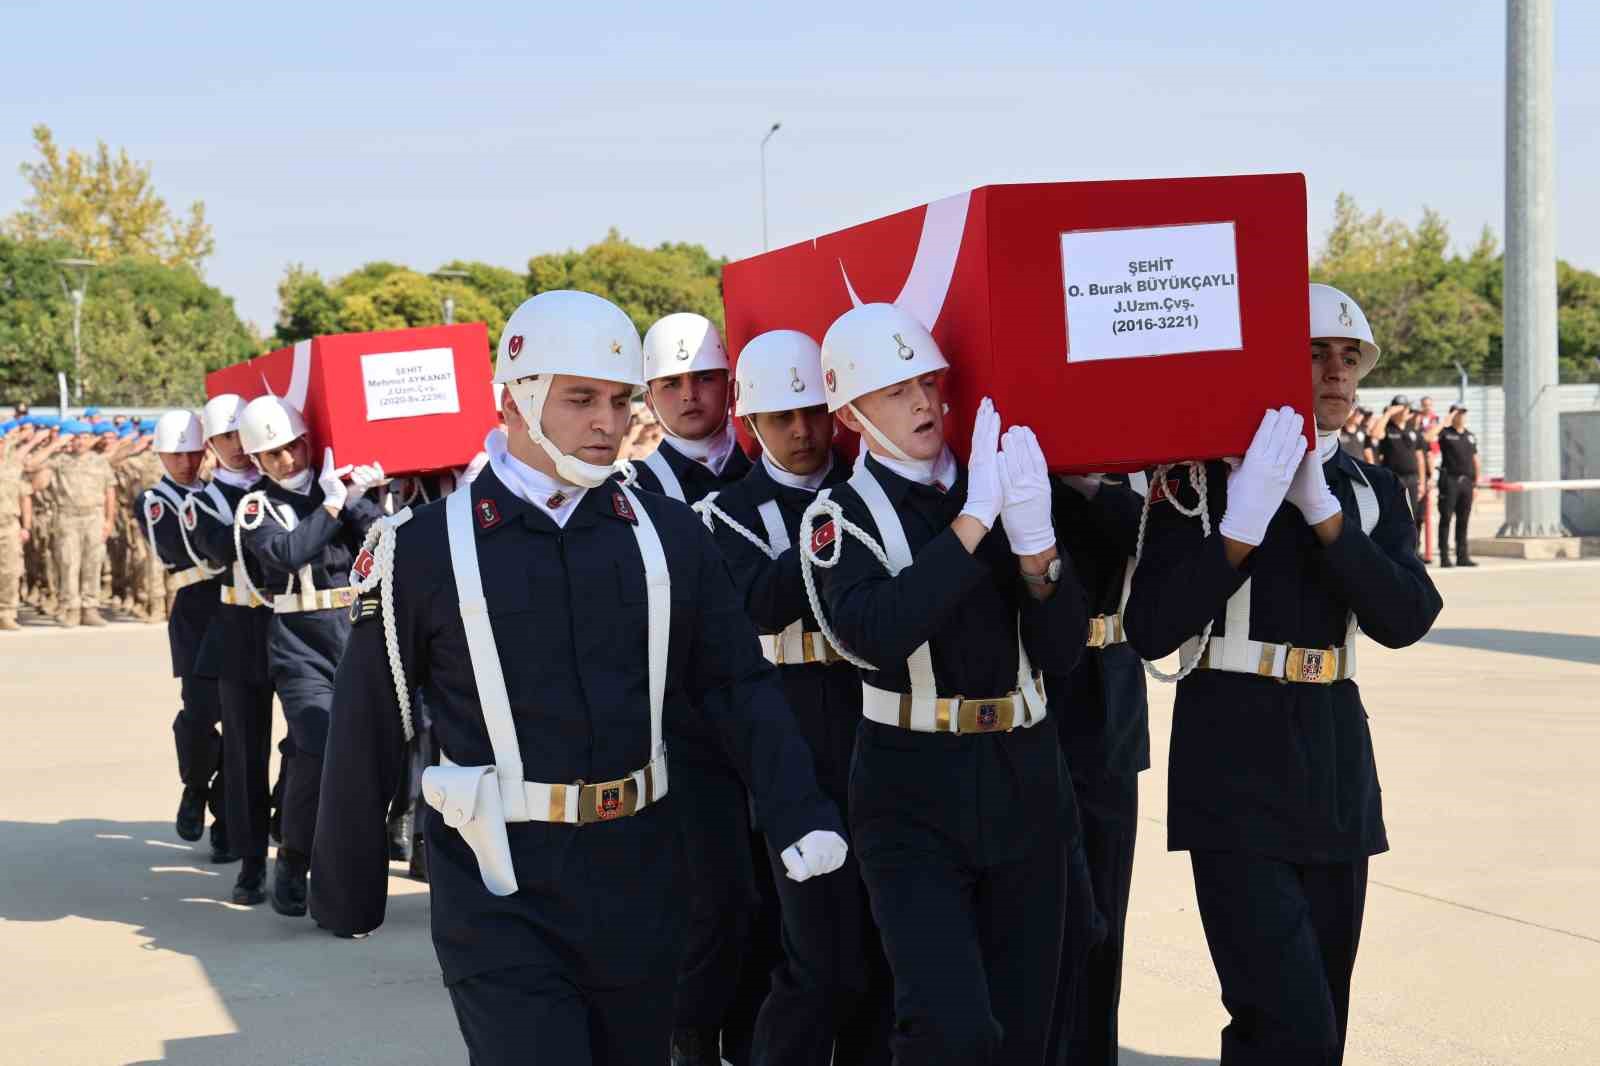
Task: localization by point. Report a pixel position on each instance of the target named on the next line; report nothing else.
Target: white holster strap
(1106, 630)
(954, 714)
(795, 645)
(235, 596)
(670, 485)
(468, 798)
(307, 598)
(182, 579)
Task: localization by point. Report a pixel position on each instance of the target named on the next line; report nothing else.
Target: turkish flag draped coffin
(1129, 323)
(411, 399)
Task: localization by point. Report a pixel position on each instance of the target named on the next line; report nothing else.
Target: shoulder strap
(658, 604)
(772, 519)
(892, 533)
(670, 485)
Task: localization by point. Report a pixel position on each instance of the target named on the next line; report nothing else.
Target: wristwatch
(1051, 575)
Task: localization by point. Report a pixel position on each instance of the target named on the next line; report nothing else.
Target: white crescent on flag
(934, 264)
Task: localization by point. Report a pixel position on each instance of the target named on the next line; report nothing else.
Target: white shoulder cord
(187, 509)
(708, 511)
(820, 506)
(242, 521)
(380, 542)
(629, 472)
(152, 508)
(1159, 478)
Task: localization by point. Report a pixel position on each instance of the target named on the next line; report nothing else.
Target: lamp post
(764, 141)
(78, 270)
(449, 301)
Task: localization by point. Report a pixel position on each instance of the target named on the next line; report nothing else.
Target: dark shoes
(695, 1047)
(191, 821)
(400, 838)
(288, 895)
(1467, 562)
(220, 852)
(251, 887)
(418, 870)
(1444, 563)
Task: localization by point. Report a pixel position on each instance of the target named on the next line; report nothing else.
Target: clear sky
(336, 133)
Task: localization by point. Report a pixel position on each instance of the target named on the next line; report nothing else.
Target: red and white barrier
(1576, 484)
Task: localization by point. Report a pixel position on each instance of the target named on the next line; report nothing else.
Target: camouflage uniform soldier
(81, 485)
(39, 553)
(146, 576)
(16, 518)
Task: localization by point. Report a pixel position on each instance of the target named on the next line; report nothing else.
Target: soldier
(146, 585)
(82, 493)
(567, 626)
(1273, 787)
(39, 556)
(16, 521)
(305, 531)
(159, 511)
(960, 805)
(830, 998)
(236, 644)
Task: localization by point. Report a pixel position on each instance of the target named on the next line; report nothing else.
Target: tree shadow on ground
(292, 993)
(1569, 647)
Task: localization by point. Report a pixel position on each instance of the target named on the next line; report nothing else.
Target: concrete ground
(1482, 940)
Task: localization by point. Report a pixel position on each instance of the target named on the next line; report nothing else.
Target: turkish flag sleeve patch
(823, 536)
(1167, 490)
(363, 565)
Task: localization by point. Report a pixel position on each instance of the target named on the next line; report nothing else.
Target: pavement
(1481, 944)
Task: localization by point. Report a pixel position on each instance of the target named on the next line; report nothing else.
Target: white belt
(580, 803)
(182, 579)
(238, 597)
(1283, 662)
(954, 714)
(796, 646)
(1105, 630)
(306, 599)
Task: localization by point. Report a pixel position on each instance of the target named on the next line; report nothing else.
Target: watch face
(1053, 572)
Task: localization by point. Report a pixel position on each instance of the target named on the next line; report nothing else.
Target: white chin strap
(750, 424)
(1327, 443)
(530, 394)
(888, 445)
(300, 483)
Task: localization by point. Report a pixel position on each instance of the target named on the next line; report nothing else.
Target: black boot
(1467, 562)
(220, 852)
(191, 821)
(289, 886)
(251, 887)
(695, 1047)
(400, 838)
(1444, 561)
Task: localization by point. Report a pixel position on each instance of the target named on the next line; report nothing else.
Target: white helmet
(871, 347)
(269, 422)
(1333, 314)
(682, 343)
(179, 431)
(221, 414)
(778, 371)
(565, 332)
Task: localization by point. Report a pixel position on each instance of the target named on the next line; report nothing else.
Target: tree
(104, 207)
(646, 283)
(383, 295)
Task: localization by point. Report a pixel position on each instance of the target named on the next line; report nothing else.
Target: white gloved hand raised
(820, 851)
(362, 480)
(984, 494)
(1309, 491)
(1025, 488)
(334, 491)
(1256, 486)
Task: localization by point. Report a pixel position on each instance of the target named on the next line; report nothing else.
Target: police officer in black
(1353, 438)
(1103, 722)
(181, 447)
(961, 808)
(1459, 471)
(235, 647)
(1273, 789)
(305, 531)
(561, 625)
(1404, 452)
(830, 997)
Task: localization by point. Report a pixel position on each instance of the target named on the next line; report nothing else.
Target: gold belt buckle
(1317, 666)
(986, 716)
(1097, 631)
(607, 800)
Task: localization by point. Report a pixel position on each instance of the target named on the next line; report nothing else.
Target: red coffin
(1206, 276)
(412, 399)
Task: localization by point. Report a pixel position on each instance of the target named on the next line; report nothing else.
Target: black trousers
(723, 898)
(531, 1016)
(194, 732)
(1090, 993)
(1413, 485)
(762, 955)
(1283, 938)
(247, 724)
(1455, 502)
(305, 708)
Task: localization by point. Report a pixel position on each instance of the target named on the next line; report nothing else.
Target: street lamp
(764, 141)
(78, 270)
(449, 301)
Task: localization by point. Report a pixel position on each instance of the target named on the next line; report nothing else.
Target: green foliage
(150, 332)
(1431, 308)
(646, 283)
(388, 296)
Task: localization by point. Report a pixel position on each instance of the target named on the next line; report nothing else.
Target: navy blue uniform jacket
(603, 903)
(1257, 765)
(696, 478)
(194, 607)
(235, 647)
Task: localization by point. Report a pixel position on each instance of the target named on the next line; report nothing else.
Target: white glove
(1309, 491)
(334, 490)
(1025, 485)
(1256, 486)
(820, 851)
(362, 480)
(984, 494)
